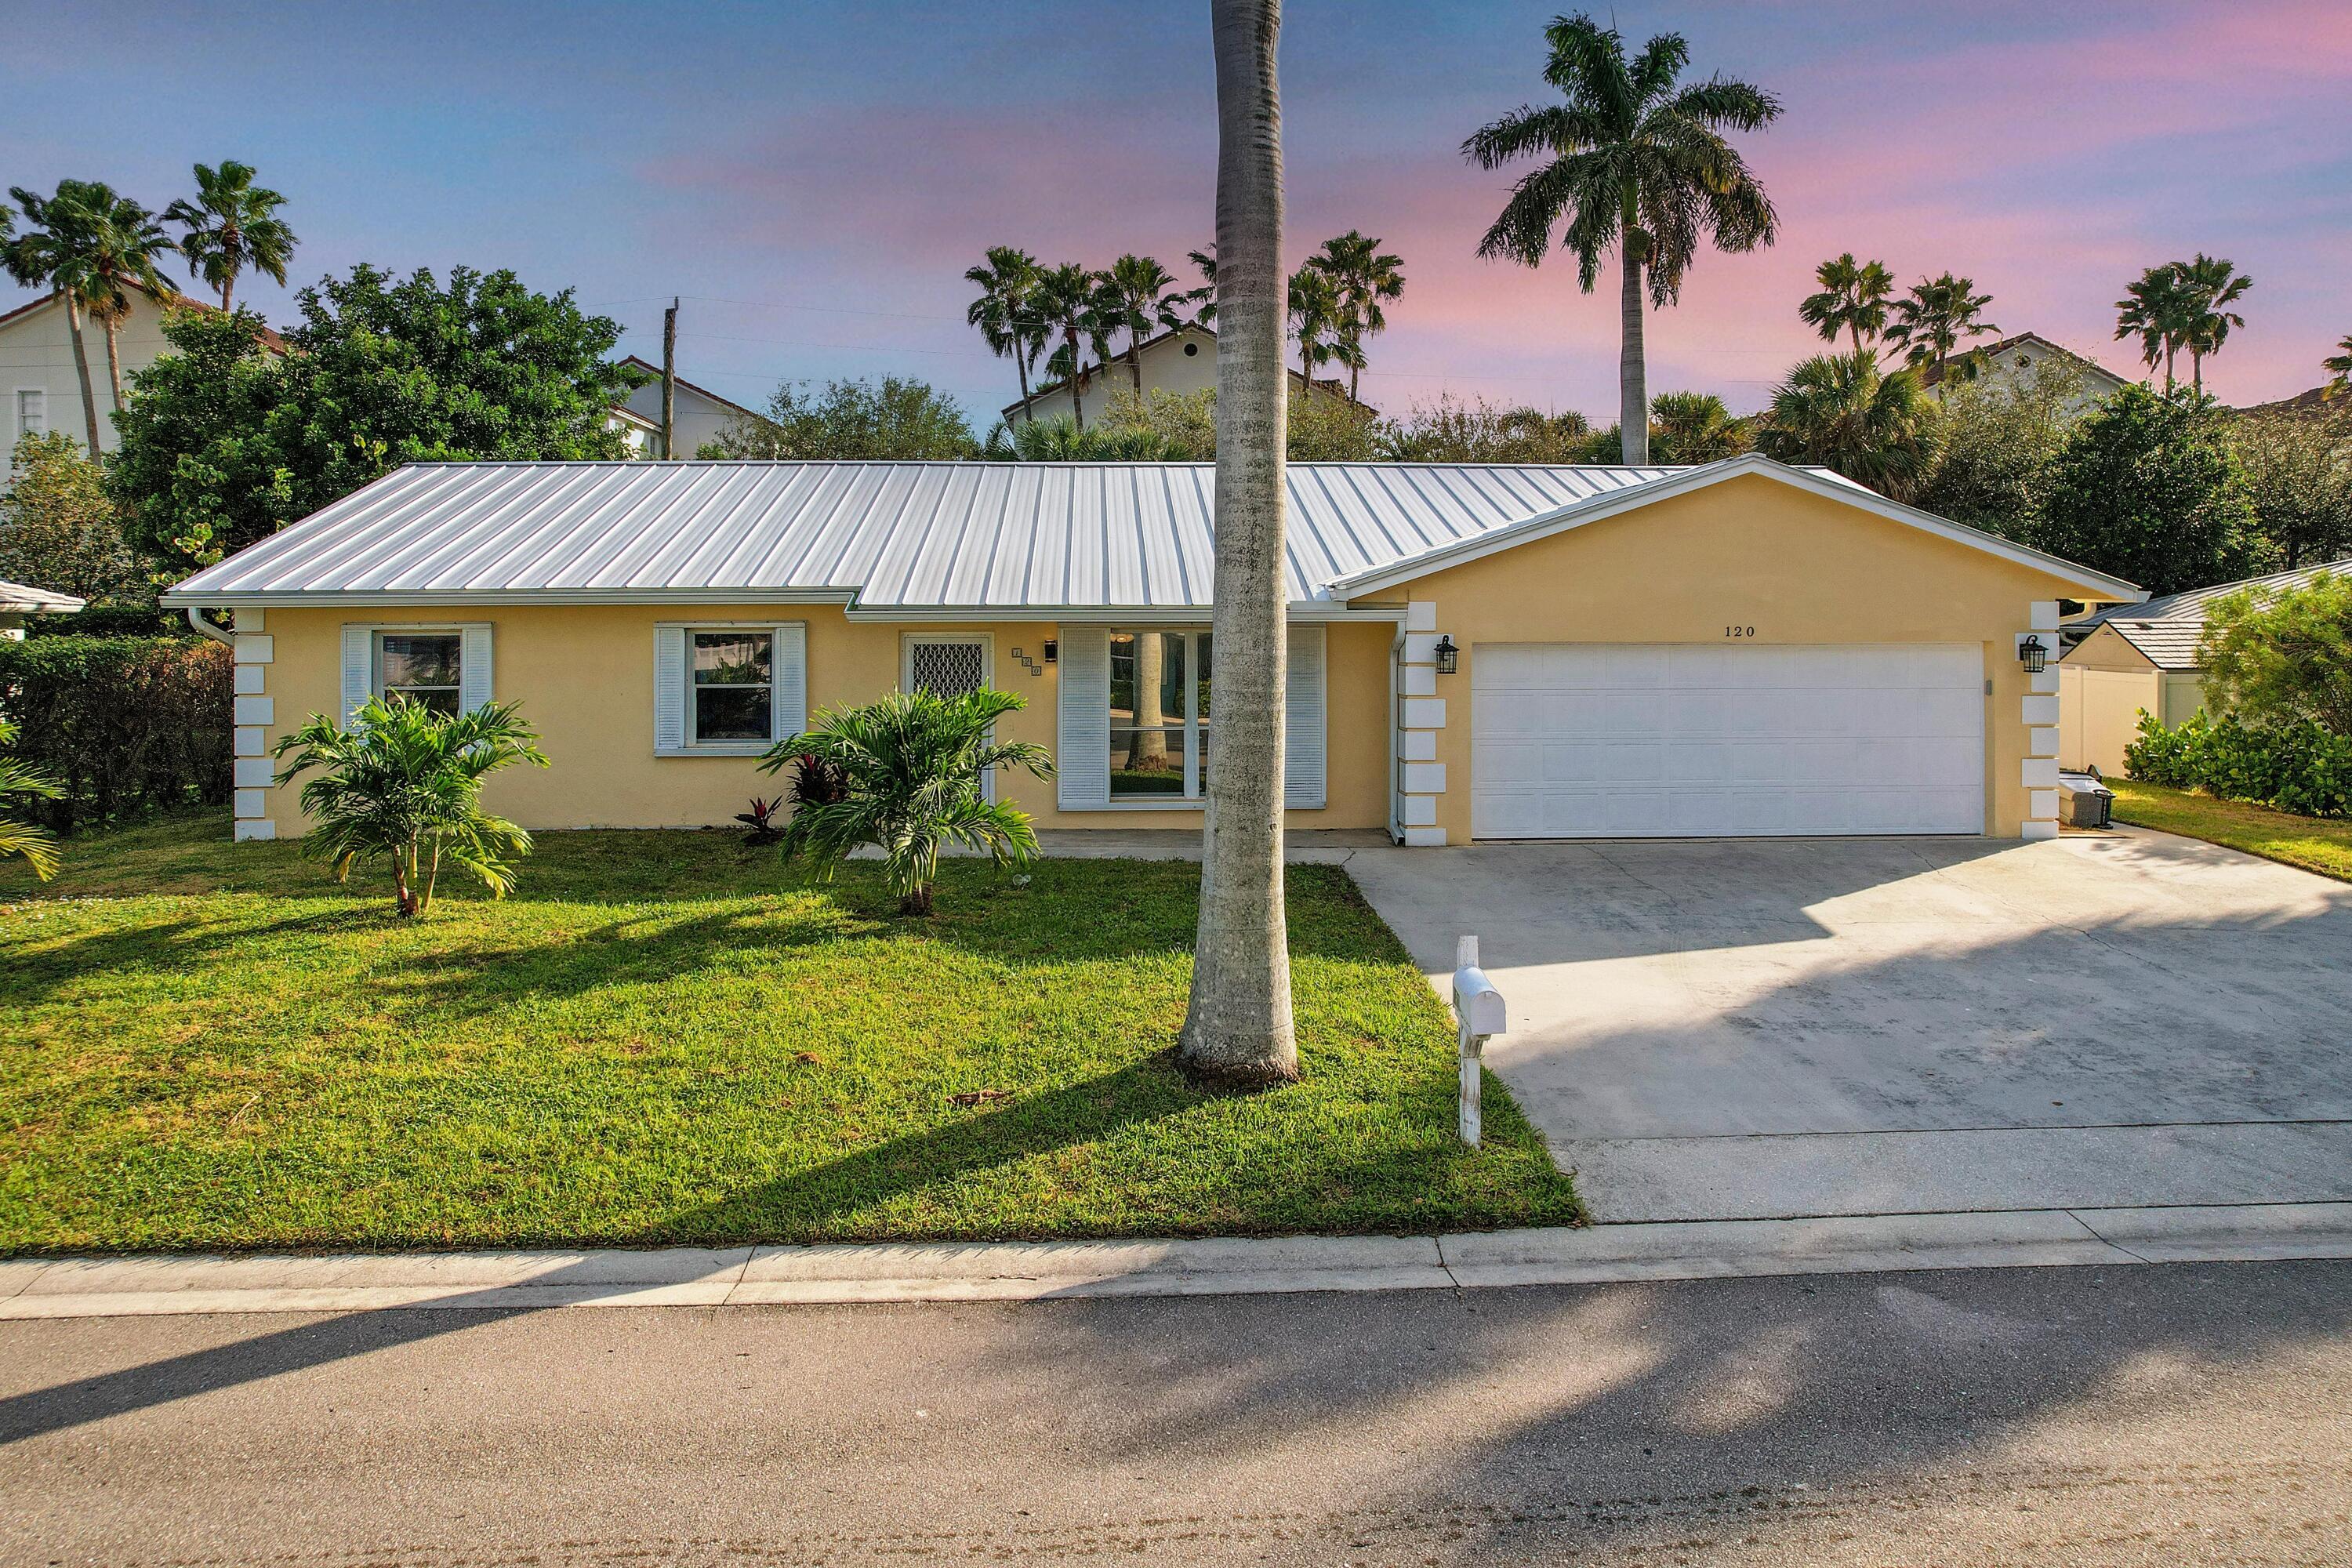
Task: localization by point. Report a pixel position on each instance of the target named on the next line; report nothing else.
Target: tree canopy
(2148, 488)
(890, 419)
(228, 441)
(58, 529)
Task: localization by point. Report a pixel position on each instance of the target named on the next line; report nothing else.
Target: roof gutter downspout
(196, 619)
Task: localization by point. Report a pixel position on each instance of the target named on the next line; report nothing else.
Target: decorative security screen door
(950, 665)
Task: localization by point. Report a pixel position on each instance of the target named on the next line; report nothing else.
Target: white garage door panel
(1605, 741)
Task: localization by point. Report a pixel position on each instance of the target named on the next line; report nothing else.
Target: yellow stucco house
(1476, 652)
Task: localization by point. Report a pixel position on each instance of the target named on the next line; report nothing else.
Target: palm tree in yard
(1070, 302)
(125, 241)
(28, 841)
(1695, 428)
(1852, 299)
(913, 768)
(404, 785)
(1237, 1023)
(1139, 296)
(1005, 312)
(1365, 279)
(1843, 412)
(2211, 285)
(57, 252)
(232, 225)
(2157, 309)
(1633, 161)
(1934, 323)
(1315, 317)
(2340, 368)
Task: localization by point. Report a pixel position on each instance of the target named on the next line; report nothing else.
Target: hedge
(2297, 767)
(129, 725)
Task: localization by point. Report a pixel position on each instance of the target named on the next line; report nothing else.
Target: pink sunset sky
(815, 181)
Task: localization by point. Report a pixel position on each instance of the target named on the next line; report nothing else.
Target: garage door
(1601, 741)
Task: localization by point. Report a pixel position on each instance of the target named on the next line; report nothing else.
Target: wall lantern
(1448, 655)
(1052, 649)
(2033, 655)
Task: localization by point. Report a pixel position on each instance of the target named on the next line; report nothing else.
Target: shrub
(404, 785)
(124, 725)
(2296, 766)
(914, 768)
(2277, 657)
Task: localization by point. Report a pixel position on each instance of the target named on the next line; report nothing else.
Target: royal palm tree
(2340, 368)
(1314, 312)
(1695, 428)
(1365, 279)
(404, 785)
(1005, 312)
(1933, 323)
(58, 251)
(2211, 285)
(2157, 309)
(232, 225)
(1237, 1023)
(913, 768)
(1070, 302)
(1632, 162)
(1139, 296)
(1843, 412)
(1852, 299)
(28, 841)
(125, 240)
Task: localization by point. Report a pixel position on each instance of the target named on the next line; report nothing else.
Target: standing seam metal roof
(918, 535)
(2169, 630)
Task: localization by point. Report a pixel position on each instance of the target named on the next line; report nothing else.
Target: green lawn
(663, 1038)
(2316, 844)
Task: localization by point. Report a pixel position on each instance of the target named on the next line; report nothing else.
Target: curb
(35, 1289)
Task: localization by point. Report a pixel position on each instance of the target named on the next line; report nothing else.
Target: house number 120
(1739, 631)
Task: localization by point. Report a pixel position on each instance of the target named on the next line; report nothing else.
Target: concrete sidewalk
(792, 1276)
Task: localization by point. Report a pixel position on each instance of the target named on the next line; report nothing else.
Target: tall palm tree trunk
(228, 287)
(1632, 370)
(114, 358)
(1238, 1025)
(1135, 366)
(81, 367)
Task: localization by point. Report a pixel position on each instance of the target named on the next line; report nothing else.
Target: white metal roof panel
(950, 536)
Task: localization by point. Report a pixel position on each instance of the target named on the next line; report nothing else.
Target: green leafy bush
(2296, 766)
(126, 726)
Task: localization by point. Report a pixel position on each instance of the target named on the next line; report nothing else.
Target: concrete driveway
(1760, 1028)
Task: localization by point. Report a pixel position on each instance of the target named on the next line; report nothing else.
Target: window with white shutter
(446, 668)
(728, 688)
(1137, 725)
(1304, 721)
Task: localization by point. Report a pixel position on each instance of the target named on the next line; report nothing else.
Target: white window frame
(476, 659)
(787, 700)
(375, 658)
(909, 641)
(18, 429)
(691, 710)
(1196, 786)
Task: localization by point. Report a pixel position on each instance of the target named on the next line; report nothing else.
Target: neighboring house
(2132, 659)
(17, 601)
(1179, 361)
(643, 435)
(701, 414)
(38, 379)
(1474, 651)
(2009, 362)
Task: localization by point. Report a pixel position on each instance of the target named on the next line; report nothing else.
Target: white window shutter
(358, 670)
(791, 668)
(1304, 721)
(670, 688)
(474, 687)
(1082, 748)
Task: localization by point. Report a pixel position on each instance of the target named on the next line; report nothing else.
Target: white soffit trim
(1831, 488)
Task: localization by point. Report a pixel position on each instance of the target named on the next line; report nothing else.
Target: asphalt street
(2134, 1414)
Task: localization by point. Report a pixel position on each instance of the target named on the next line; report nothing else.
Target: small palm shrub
(913, 770)
(403, 785)
(28, 841)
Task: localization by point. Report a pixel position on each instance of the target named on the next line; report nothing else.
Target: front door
(950, 664)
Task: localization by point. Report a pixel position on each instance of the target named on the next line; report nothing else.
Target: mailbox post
(1479, 1008)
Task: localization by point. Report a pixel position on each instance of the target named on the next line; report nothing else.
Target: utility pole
(669, 380)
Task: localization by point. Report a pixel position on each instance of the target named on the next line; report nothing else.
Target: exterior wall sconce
(2033, 655)
(1449, 658)
(1052, 649)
